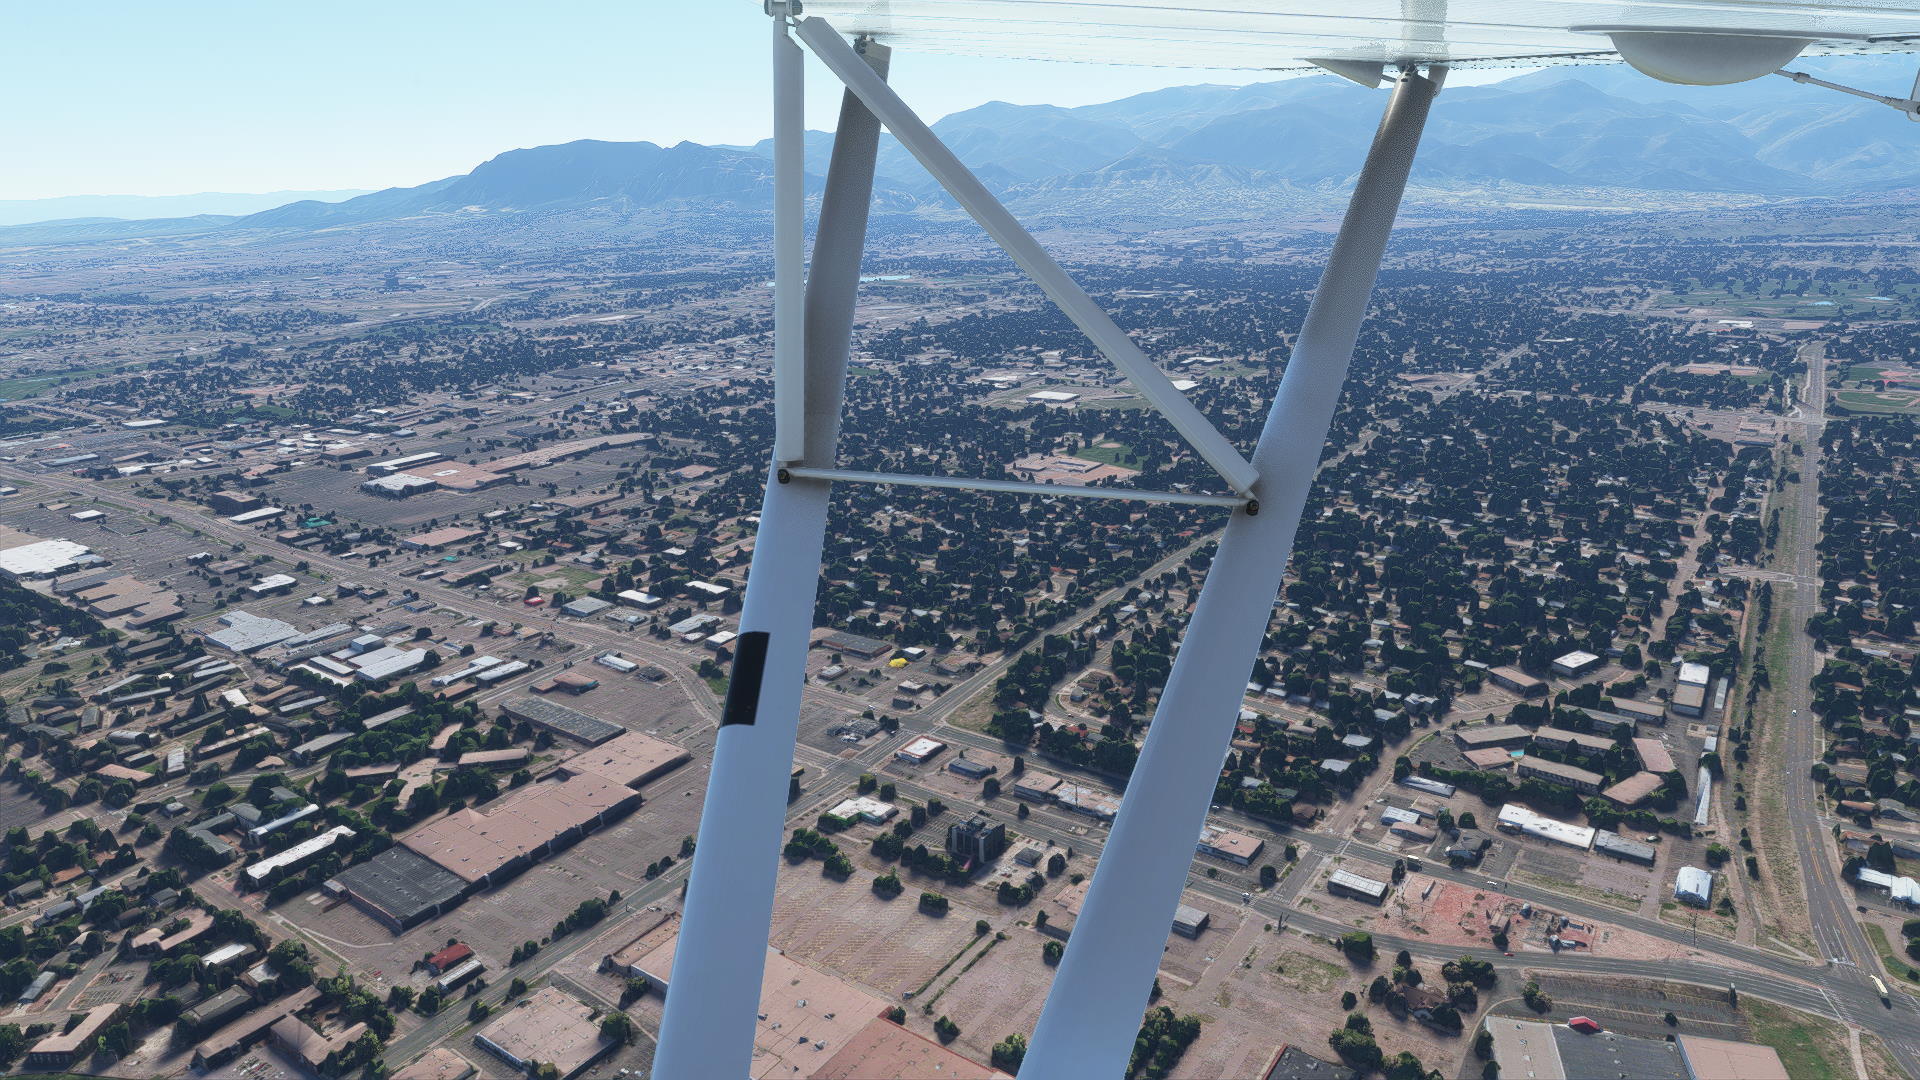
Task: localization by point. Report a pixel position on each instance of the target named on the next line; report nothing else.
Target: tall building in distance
(976, 840)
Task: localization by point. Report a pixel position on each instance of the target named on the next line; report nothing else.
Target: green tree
(1009, 1052)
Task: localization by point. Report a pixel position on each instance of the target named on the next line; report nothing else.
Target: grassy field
(575, 576)
(1121, 455)
(1811, 1047)
(32, 385)
(1896, 967)
(1598, 896)
(1308, 973)
(1128, 402)
(1759, 301)
(1868, 401)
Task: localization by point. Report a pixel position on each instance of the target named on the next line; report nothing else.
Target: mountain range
(96, 208)
(1587, 128)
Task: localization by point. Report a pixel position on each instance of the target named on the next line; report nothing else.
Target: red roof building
(450, 957)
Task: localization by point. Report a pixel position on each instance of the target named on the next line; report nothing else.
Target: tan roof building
(496, 759)
(1227, 844)
(1577, 741)
(64, 1049)
(1653, 755)
(884, 1048)
(309, 1046)
(552, 1027)
(1633, 790)
(1481, 735)
(1719, 1059)
(520, 826)
(812, 1024)
(438, 1063)
(630, 760)
(1571, 775)
(438, 538)
(1489, 757)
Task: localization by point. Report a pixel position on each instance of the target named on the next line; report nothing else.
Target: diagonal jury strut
(1086, 1031)
(1026, 252)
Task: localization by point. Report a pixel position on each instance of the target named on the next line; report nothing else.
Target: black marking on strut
(743, 689)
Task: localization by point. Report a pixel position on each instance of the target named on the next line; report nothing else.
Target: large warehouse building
(519, 827)
(400, 888)
(561, 720)
(630, 760)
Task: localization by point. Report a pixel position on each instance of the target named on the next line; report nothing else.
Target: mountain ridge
(1595, 128)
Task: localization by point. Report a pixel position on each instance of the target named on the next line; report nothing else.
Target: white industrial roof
(1277, 34)
(44, 557)
(245, 632)
(1693, 881)
(1348, 879)
(1546, 828)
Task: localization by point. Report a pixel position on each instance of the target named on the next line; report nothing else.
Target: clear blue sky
(131, 97)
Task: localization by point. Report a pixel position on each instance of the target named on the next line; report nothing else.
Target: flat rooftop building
(1612, 1054)
(1189, 921)
(1653, 755)
(1612, 844)
(865, 648)
(1689, 700)
(1719, 1059)
(865, 808)
(1556, 772)
(42, 558)
(1232, 846)
(1037, 786)
(1515, 818)
(561, 720)
(553, 1028)
(438, 1063)
(243, 632)
(919, 750)
(1517, 681)
(1634, 790)
(438, 538)
(400, 464)
(1693, 885)
(1485, 735)
(1347, 883)
(1577, 741)
(520, 826)
(399, 887)
(1526, 1048)
(631, 759)
(1575, 664)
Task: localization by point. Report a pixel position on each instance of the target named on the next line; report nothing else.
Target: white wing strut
(1027, 253)
(1093, 1011)
(714, 992)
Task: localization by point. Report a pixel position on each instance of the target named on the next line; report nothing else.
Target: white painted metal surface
(1026, 252)
(789, 245)
(708, 1026)
(1087, 1029)
(1280, 34)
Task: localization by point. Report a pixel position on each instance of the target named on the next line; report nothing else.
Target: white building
(1515, 818)
(866, 808)
(1693, 885)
